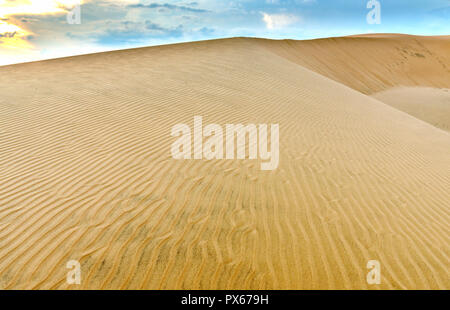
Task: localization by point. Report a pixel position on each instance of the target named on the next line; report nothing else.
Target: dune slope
(87, 175)
(409, 73)
(428, 104)
(373, 63)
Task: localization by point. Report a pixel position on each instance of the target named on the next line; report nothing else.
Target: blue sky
(32, 30)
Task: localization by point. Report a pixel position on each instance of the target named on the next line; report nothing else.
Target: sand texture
(87, 173)
(431, 105)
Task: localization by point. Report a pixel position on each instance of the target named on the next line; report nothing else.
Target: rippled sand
(87, 173)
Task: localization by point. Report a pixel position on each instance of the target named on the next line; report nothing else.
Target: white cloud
(274, 21)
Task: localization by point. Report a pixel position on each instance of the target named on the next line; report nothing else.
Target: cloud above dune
(166, 6)
(274, 21)
(40, 26)
(14, 16)
(21, 7)
(8, 34)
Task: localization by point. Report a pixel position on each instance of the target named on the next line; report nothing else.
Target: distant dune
(87, 173)
(373, 63)
(428, 104)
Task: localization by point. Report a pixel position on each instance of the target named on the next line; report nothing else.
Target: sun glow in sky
(34, 6)
(14, 35)
(38, 29)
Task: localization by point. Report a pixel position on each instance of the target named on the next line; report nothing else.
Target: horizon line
(359, 35)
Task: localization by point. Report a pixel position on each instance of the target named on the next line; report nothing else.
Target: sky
(42, 29)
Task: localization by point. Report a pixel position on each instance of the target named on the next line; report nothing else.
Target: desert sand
(87, 173)
(431, 105)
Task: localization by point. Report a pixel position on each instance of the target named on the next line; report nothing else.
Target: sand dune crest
(87, 174)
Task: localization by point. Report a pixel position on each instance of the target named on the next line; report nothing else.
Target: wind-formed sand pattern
(87, 174)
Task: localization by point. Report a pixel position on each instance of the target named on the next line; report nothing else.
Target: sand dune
(428, 104)
(373, 63)
(87, 174)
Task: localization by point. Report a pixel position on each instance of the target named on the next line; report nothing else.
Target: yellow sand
(431, 105)
(87, 174)
(373, 63)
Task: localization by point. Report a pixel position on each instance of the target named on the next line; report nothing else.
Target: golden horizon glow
(14, 36)
(39, 7)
